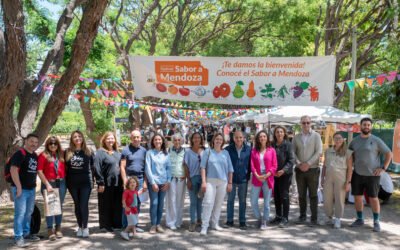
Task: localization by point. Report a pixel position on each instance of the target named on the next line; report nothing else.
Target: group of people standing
(123, 178)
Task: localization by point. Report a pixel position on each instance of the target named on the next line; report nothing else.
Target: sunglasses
(199, 158)
(53, 144)
(305, 123)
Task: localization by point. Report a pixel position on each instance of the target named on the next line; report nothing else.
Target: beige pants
(334, 192)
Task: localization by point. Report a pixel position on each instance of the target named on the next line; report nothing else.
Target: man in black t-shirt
(23, 173)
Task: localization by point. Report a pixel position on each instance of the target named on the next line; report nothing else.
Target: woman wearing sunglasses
(193, 178)
(336, 177)
(51, 171)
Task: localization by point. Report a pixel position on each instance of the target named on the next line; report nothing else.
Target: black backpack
(35, 220)
(7, 167)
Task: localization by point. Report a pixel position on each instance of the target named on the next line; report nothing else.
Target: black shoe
(229, 224)
(313, 223)
(32, 238)
(243, 226)
(301, 220)
(284, 223)
(276, 220)
(109, 229)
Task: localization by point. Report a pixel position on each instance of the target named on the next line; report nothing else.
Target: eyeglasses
(305, 123)
(338, 139)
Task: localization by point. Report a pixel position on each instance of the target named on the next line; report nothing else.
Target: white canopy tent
(171, 120)
(246, 117)
(292, 114)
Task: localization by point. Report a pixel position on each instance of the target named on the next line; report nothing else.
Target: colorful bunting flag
(391, 76)
(370, 81)
(98, 82)
(361, 82)
(340, 85)
(350, 85)
(381, 79)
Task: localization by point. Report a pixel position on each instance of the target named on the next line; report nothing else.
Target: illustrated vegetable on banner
(236, 80)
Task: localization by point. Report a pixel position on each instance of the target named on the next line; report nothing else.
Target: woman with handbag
(51, 171)
(193, 178)
(109, 183)
(216, 174)
(263, 167)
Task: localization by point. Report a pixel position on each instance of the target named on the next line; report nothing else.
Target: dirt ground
(292, 237)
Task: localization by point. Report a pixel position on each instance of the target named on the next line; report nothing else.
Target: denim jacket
(241, 165)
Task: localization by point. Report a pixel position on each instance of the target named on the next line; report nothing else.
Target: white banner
(236, 80)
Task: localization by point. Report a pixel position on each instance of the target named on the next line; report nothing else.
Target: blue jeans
(255, 192)
(195, 202)
(156, 204)
(63, 190)
(242, 193)
(23, 209)
(124, 219)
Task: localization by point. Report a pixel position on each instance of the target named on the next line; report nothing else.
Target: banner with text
(236, 80)
(396, 143)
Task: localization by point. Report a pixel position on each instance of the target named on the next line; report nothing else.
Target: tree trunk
(178, 31)
(134, 118)
(147, 118)
(12, 75)
(85, 36)
(88, 116)
(29, 100)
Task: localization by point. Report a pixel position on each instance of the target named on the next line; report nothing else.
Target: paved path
(293, 237)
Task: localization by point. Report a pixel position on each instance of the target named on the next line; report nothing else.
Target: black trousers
(110, 207)
(281, 195)
(81, 195)
(308, 181)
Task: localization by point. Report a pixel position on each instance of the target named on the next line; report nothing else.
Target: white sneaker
(139, 230)
(130, 234)
(336, 223)
(79, 232)
(217, 228)
(264, 226)
(203, 231)
(172, 228)
(85, 233)
(124, 235)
